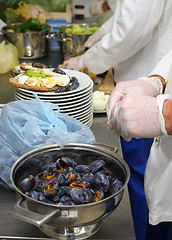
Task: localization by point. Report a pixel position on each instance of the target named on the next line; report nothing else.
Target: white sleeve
(164, 66)
(133, 26)
(107, 26)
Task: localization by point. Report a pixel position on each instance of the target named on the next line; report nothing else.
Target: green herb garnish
(32, 25)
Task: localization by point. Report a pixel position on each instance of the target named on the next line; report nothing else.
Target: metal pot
(67, 222)
(72, 44)
(30, 44)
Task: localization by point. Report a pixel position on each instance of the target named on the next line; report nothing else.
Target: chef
(150, 115)
(100, 7)
(102, 10)
(132, 41)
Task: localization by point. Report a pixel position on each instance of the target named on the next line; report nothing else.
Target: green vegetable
(35, 73)
(77, 29)
(32, 25)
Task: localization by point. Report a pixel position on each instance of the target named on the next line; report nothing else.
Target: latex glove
(75, 63)
(95, 37)
(138, 117)
(142, 86)
(96, 8)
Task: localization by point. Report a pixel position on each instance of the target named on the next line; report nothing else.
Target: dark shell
(64, 182)
(81, 196)
(101, 181)
(27, 184)
(57, 70)
(37, 65)
(96, 166)
(74, 83)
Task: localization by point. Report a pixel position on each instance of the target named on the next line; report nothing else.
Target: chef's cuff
(160, 102)
(162, 81)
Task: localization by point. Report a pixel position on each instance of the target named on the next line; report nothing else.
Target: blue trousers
(161, 231)
(136, 153)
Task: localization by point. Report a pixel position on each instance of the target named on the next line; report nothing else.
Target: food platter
(77, 103)
(84, 82)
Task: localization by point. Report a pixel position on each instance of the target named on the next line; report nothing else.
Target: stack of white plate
(77, 103)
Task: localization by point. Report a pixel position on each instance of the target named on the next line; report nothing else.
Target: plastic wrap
(29, 124)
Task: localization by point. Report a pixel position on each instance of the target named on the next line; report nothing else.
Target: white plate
(60, 98)
(85, 113)
(81, 108)
(70, 101)
(85, 119)
(84, 82)
(66, 105)
(88, 123)
(56, 96)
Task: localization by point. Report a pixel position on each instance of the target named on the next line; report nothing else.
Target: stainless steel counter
(117, 226)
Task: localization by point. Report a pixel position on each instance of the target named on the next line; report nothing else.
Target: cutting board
(107, 85)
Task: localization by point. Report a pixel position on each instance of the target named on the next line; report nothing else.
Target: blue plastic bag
(29, 124)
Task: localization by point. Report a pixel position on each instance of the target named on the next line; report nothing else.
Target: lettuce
(35, 73)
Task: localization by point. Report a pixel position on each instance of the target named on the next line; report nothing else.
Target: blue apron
(136, 153)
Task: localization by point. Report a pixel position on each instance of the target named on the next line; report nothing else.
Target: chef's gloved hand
(145, 86)
(139, 117)
(95, 37)
(75, 63)
(96, 8)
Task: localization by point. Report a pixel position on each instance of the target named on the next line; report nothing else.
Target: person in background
(102, 10)
(146, 115)
(100, 7)
(132, 42)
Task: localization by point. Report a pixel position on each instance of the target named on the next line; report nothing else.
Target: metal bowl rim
(4, 29)
(81, 24)
(52, 147)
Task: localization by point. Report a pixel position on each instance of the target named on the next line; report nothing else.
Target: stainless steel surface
(30, 45)
(22, 238)
(117, 226)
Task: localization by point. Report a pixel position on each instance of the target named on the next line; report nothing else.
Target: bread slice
(14, 82)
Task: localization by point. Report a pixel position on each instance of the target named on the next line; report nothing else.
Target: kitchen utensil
(30, 45)
(72, 44)
(60, 221)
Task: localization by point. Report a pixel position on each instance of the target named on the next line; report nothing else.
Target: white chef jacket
(158, 174)
(138, 35)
